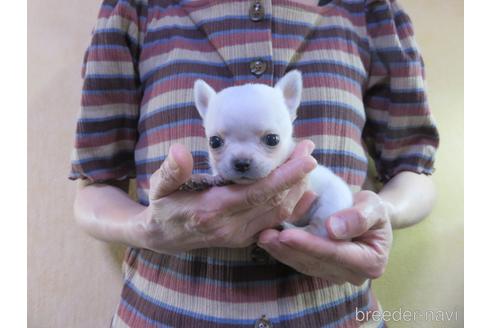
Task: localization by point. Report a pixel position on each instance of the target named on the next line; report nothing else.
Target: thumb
(174, 171)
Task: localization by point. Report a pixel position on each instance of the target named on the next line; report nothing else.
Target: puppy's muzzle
(241, 165)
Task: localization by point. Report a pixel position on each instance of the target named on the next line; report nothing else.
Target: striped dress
(363, 100)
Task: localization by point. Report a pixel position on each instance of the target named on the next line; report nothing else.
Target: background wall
(74, 281)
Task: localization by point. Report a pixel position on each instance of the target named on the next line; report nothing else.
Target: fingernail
(283, 239)
(172, 163)
(338, 226)
(311, 148)
(308, 166)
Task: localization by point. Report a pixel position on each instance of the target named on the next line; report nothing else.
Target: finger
(174, 171)
(260, 192)
(304, 262)
(267, 220)
(291, 198)
(357, 257)
(303, 148)
(302, 207)
(357, 220)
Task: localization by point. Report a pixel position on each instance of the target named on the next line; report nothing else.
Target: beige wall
(74, 281)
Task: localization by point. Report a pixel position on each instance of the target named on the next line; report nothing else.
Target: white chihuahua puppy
(249, 129)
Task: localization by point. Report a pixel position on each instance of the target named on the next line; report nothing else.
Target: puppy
(250, 133)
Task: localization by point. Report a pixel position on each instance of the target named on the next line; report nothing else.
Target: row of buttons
(257, 68)
(257, 14)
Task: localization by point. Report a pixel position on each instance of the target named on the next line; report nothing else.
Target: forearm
(410, 198)
(107, 213)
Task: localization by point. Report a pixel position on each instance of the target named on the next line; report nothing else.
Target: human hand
(357, 249)
(227, 216)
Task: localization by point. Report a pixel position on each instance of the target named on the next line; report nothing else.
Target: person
(214, 258)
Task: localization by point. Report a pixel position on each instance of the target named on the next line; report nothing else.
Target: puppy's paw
(200, 182)
(286, 225)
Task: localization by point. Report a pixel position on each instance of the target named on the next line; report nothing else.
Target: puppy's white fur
(242, 117)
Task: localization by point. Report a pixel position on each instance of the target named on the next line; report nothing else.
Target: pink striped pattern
(363, 77)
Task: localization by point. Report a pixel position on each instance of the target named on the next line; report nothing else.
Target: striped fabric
(364, 97)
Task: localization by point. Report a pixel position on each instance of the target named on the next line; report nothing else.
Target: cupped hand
(227, 216)
(357, 249)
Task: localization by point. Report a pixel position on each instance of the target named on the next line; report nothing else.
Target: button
(263, 322)
(257, 67)
(259, 255)
(256, 11)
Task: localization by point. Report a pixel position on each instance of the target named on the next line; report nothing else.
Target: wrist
(391, 212)
(135, 231)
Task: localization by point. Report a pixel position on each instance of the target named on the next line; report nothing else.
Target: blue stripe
(200, 122)
(407, 91)
(117, 31)
(341, 169)
(104, 91)
(381, 7)
(398, 49)
(220, 283)
(107, 118)
(174, 37)
(327, 120)
(332, 103)
(165, 109)
(381, 324)
(163, 157)
(277, 320)
(101, 158)
(204, 76)
(362, 73)
(96, 172)
(340, 152)
(172, 27)
(391, 20)
(410, 167)
(397, 128)
(355, 83)
(171, 125)
(321, 307)
(398, 138)
(408, 63)
(400, 104)
(101, 133)
(186, 312)
(407, 156)
(107, 46)
(106, 6)
(150, 86)
(111, 76)
(181, 61)
(201, 23)
(136, 312)
(300, 64)
(236, 31)
(348, 316)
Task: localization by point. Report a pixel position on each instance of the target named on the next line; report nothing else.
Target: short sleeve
(106, 131)
(400, 131)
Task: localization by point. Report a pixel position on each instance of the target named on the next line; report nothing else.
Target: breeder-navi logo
(405, 315)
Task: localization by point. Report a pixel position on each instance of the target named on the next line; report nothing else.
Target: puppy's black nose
(242, 165)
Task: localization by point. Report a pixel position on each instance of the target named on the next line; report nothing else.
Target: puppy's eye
(215, 142)
(271, 139)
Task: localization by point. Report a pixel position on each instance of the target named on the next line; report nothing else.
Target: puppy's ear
(291, 87)
(203, 93)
